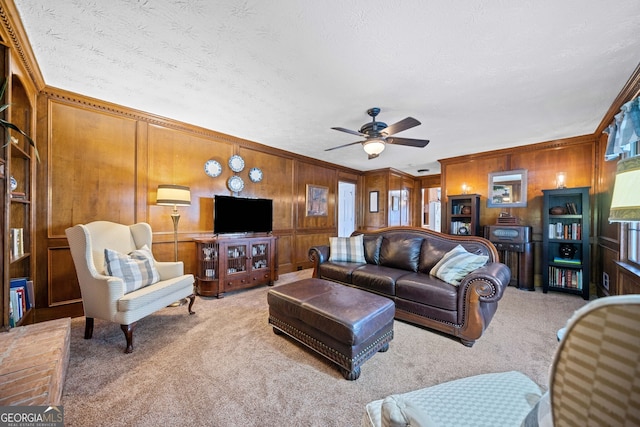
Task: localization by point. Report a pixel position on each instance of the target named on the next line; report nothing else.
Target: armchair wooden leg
(88, 328)
(192, 298)
(128, 333)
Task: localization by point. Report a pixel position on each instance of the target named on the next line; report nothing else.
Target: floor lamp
(174, 195)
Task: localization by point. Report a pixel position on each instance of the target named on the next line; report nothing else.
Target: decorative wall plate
(255, 175)
(14, 183)
(236, 163)
(212, 168)
(235, 184)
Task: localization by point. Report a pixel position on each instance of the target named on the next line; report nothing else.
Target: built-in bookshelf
(17, 169)
(566, 251)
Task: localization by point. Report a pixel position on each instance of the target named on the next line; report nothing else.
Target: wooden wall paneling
(475, 175)
(277, 184)
(310, 174)
(628, 280)
(178, 157)
(91, 167)
(306, 241)
(376, 181)
(63, 287)
(608, 255)
(286, 259)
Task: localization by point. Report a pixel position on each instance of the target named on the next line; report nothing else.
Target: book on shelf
(559, 230)
(571, 208)
(571, 261)
(22, 284)
(565, 278)
(18, 195)
(17, 245)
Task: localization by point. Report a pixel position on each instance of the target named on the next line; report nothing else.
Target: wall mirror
(508, 189)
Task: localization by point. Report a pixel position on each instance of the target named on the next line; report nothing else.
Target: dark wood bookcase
(565, 241)
(463, 214)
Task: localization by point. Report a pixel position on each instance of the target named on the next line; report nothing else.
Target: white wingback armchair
(105, 296)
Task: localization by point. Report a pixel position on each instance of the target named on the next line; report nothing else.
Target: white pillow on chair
(137, 269)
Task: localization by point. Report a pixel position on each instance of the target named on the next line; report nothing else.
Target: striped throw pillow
(456, 264)
(137, 269)
(347, 249)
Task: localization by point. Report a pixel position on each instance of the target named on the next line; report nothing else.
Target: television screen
(242, 215)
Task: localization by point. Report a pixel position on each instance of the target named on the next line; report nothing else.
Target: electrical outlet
(605, 280)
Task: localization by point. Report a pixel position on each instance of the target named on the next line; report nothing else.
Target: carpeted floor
(224, 366)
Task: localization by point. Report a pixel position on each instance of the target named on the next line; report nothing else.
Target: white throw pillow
(137, 269)
(347, 249)
(456, 264)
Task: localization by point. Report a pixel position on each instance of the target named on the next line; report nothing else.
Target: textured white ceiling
(479, 75)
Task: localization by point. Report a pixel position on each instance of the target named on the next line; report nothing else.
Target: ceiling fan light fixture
(373, 147)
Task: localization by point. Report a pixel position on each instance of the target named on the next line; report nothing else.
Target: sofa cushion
(398, 251)
(338, 271)
(456, 264)
(428, 290)
(137, 269)
(347, 249)
(377, 278)
(372, 248)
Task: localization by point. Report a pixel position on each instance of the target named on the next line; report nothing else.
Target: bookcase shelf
(566, 250)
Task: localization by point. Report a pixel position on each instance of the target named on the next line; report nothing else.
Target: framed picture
(317, 200)
(373, 201)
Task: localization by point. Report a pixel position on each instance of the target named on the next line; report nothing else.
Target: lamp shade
(625, 203)
(173, 195)
(374, 147)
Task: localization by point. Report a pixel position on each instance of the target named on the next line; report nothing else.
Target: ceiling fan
(378, 134)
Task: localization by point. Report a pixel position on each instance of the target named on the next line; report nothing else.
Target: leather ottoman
(345, 325)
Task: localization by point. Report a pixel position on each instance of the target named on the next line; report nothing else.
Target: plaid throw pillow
(137, 269)
(347, 249)
(456, 264)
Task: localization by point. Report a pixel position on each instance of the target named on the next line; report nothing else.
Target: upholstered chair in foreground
(594, 381)
(120, 281)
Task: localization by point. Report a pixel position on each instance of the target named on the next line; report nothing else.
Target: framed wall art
(317, 197)
(373, 201)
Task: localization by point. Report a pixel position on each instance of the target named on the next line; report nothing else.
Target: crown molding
(14, 35)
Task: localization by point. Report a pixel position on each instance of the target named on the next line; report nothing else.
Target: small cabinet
(565, 241)
(463, 214)
(228, 263)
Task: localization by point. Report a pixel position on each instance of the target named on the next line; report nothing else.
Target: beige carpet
(224, 366)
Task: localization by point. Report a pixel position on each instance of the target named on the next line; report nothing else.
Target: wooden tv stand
(228, 263)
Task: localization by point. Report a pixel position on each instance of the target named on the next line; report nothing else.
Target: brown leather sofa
(399, 260)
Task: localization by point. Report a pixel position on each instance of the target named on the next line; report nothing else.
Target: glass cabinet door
(259, 255)
(208, 260)
(236, 258)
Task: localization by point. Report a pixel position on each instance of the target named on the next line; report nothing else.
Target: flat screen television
(242, 215)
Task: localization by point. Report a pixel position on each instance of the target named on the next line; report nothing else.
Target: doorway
(346, 208)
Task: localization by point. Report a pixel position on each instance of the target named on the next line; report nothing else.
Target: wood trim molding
(14, 34)
(547, 145)
(630, 90)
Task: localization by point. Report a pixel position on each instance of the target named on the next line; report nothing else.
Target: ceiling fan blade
(352, 132)
(345, 145)
(403, 124)
(408, 141)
